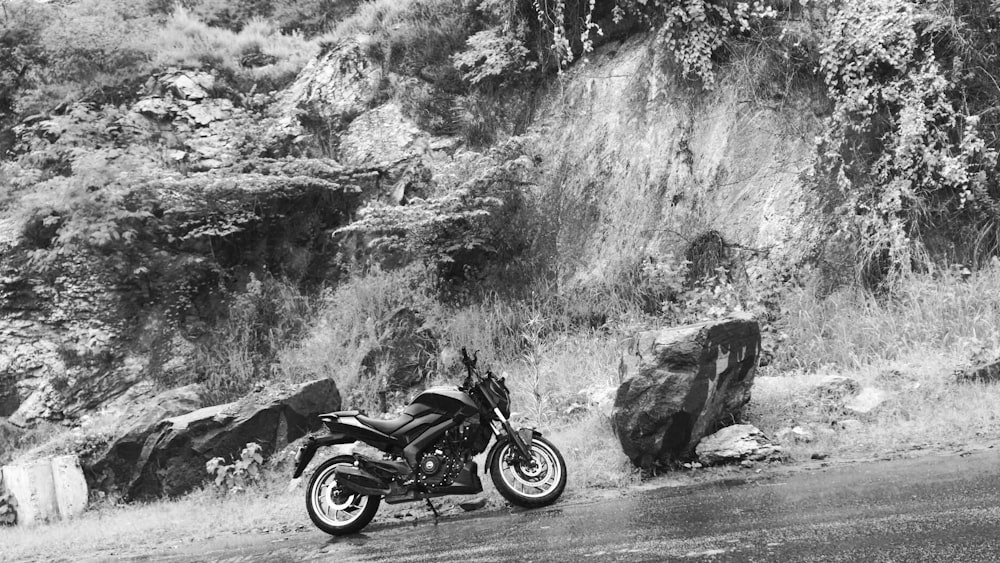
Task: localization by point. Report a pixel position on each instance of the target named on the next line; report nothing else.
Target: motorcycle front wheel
(333, 509)
(533, 483)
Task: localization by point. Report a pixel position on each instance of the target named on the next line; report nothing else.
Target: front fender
(308, 450)
(526, 434)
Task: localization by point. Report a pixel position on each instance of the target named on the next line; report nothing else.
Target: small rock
(866, 401)
(747, 463)
(474, 504)
(836, 387)
(736, 443)
(850, 424)
(819, 455)
(987, 372)
(795, 434)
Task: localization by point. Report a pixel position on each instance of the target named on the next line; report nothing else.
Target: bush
(905, 155)
(239, 475)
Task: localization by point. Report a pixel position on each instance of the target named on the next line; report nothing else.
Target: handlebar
(469, 363)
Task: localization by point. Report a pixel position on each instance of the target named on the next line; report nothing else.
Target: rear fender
(308, 450)
(527, 435)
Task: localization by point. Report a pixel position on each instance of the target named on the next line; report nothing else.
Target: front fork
(521, 438)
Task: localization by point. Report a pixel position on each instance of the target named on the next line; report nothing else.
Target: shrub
(239, 475)
(455, 234)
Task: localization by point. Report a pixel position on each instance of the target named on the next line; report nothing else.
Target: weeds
(852, 328)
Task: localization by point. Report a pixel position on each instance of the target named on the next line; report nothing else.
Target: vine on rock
(902, 149)
(694, 30)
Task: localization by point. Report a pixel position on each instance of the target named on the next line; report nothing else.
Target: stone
(866, 401)
(46, 489)
(381, 135)
(473, 504)
(110, 469)
(835, 388)
(738, 443)
(850, 425)
(985, 372)
(173, 457)
(601, 397)
(680, 383)
(795, 434)
(330, 91)
(188, 87)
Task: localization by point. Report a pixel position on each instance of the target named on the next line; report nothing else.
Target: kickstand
(434, 510)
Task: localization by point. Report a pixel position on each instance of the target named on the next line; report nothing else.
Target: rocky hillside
(195, 221)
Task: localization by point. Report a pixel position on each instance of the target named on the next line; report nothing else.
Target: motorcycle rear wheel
(332, 508)
(536, 483)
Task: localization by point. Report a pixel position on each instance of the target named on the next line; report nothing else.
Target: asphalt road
(933, 508)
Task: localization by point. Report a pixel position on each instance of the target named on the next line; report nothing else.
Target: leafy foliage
(240, 474)
(694, 30)
(904, 148)
(493, 55)
(21, 52)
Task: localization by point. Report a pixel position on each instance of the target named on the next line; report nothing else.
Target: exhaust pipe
(360, 481)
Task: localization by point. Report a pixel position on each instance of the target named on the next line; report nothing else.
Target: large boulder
(681, 383)
(173, 457)
(110, 469)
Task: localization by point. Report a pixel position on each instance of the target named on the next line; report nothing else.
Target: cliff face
(641, 165)
(630, 165)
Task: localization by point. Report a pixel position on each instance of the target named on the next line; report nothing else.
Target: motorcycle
(428, 452)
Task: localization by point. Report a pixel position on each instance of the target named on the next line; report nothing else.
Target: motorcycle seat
(385, 426)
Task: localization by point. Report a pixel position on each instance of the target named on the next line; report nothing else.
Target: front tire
(531, 485)
(333, 509)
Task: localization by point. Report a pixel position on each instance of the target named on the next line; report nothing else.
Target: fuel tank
(445, 400)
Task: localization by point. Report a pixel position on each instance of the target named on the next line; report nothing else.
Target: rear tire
(333, 509)
(532, 485)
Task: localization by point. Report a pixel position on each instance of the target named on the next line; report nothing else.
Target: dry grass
(909, 345)
(108, 531)
(852, 328)
(259, 56)
(924, 409)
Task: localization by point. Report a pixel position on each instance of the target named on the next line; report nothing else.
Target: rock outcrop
(329, 93)
(172, 460)
(681, 383)
(110, 469)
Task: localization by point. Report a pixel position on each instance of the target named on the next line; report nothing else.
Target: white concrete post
(47, 489)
